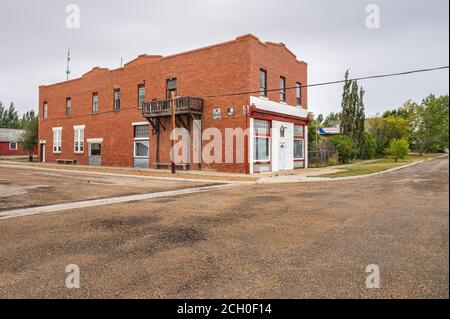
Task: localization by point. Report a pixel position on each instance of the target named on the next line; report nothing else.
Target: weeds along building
(122, 117)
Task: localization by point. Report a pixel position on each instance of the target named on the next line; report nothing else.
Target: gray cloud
(330, 35)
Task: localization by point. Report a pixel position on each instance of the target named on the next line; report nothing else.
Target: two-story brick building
(121, 117)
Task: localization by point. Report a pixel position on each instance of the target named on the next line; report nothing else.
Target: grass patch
(375, 166)
(317, 165)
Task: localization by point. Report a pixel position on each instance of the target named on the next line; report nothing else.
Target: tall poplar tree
(353, 113)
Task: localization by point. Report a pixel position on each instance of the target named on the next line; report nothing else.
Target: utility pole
(68, 65)
(172, 111)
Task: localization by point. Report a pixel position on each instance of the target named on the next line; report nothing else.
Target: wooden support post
(172, 109)
(158, 137)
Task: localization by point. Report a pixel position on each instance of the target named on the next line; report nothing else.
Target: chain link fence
(321, 156)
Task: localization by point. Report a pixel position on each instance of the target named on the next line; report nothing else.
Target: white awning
(276, 107)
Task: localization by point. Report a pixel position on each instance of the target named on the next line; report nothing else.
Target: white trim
(140, 123)
(265, 161)
(42, 142)
(134, 149)
(78, 131)
(95, 140)
(276, 107)
(300, 158)
(13, 149)
(250, 146)
(306, 146)
(59, 141)
(43, 150)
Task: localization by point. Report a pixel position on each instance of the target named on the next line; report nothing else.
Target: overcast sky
(330, 35)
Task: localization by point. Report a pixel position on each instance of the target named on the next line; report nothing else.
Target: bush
(333, 160)
(345, 147)
(369, 149)
(398, 148)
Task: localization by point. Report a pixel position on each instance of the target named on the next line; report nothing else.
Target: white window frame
(269, 138)
(57, 140)
(141, 140)
(283, 91)
(298, 138)
(299, 158)
(13, 149)
(68, 107)
(95, 104)
(298, 94)
(141, 86)
(78, 133)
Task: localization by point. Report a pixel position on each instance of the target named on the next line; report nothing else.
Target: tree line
(9, 117)
(422, 127)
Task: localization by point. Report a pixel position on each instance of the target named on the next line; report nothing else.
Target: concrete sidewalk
(294, 176)
(191, 175)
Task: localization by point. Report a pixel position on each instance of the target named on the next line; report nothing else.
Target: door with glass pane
(95, 154)
(141, 146)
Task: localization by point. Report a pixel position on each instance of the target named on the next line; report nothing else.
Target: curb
(318, 179)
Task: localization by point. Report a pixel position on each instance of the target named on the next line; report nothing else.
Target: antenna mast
(68, 64)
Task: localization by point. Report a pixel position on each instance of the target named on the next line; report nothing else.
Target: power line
(288, 88)
(333, 82)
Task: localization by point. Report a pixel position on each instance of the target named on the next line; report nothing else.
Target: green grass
(317, 165)
(375, 166)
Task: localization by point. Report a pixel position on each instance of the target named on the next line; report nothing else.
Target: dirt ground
(305, 240)
(27, 188)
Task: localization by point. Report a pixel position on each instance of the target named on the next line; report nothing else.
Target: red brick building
(122, 117)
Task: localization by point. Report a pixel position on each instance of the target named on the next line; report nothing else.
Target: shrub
(369, 149)
(333, 160)
(398, 148)
(345, 147)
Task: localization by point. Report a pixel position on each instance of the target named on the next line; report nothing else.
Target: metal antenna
(68, 64)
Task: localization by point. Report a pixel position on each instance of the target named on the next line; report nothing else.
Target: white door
(282, 157)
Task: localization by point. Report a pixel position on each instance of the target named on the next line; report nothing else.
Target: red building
(122, 117)
(10, 145)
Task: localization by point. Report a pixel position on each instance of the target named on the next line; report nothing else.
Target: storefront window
(262, 141)
(299, 142)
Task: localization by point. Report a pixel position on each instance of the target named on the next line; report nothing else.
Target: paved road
(295, 240)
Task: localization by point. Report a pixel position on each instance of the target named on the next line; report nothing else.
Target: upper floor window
(141, 94)
(94, 102)
(116, 99)
(45, 111)
(171, 88)
(68, 106)
(282, 89)
(262, 82)
(298, 93)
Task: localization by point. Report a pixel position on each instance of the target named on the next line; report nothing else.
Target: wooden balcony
(183, 105)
